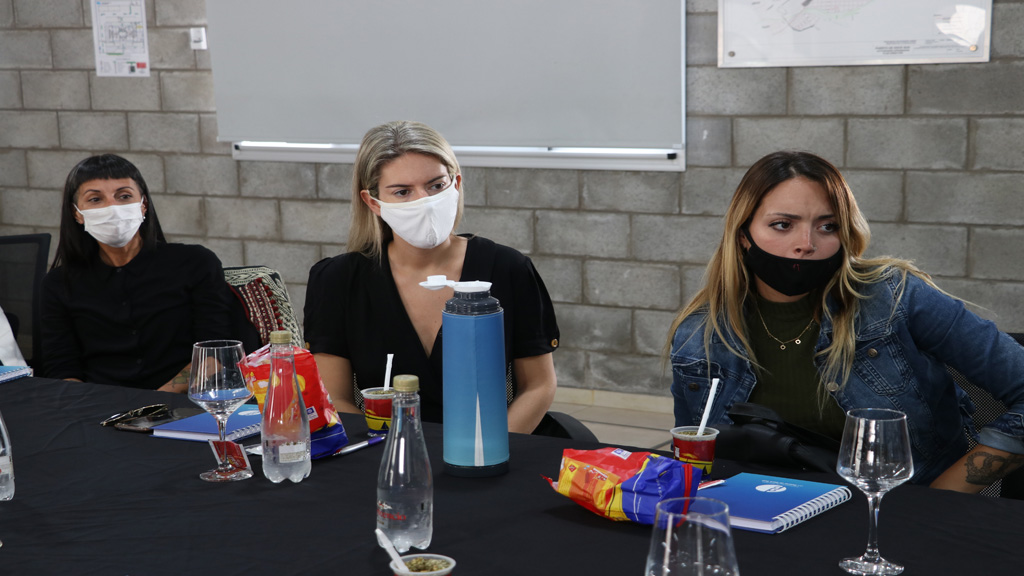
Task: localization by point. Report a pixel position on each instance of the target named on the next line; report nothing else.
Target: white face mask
(113, 225)
(424, 223)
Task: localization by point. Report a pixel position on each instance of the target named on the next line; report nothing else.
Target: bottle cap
(280, 337)
(406, 383)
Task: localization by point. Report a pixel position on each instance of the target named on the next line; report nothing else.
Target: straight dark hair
(76, 248)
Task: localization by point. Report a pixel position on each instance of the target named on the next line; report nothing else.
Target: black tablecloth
(94, 500)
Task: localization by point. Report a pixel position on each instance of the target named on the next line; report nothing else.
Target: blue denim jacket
(901, 352)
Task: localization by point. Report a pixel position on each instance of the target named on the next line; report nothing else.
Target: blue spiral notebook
(14, 372)
(772, 504)
(202, 427)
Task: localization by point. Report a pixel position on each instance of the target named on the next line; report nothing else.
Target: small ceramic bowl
(443, 572)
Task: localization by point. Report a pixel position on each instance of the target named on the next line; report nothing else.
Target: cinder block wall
(935, 155)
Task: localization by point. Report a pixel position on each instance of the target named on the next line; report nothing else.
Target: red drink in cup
(377, 410)
(696, 450)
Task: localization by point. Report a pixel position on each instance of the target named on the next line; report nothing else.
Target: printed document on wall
(120, 38)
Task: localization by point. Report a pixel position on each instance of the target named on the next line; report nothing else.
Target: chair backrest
(23, 260)
(265, 298)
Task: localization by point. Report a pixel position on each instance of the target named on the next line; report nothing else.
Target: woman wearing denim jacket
(793, 316)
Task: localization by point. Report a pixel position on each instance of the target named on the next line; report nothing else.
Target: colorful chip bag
(623, 485)
(327, 434)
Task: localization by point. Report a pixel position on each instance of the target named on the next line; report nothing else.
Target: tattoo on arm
(180, 382)
(984, 468)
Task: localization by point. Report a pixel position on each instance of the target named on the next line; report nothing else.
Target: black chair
(23, 260)
(988, 409)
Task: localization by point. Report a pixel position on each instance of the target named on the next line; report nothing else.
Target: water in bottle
(285, 429)
(405, 488)
(6, 464)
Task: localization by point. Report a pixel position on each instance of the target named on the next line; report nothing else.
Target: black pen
(360, 445)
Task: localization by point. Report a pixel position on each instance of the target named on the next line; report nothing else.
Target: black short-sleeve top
(353, 310)
(134, 325)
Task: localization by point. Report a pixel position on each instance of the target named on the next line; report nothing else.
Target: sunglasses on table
(151, 411)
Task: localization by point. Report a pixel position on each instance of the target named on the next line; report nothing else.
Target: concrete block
(693, 281)
(202, 175)
(965, 198)
(180, 215)
(20, 129)
(702, 40)
(907, 143)
(570, 367)
(708, 192)
(187, 91)
(701, 6)
(879, 194)
(1000, 302)
(332, 250)
(243, 218)
(991, 88)
(940, 250)
(208, 136)
(203, 60)
(689, 239)
(756, 138)
(615, 191)
(632, 284)
(724, 91)
(334, 181)
(999, 144)
(6, 230)
(995, 254)
(55, 90)
(170, 49)
(474, 185)
(1007, 22)
(631, 373)
(277, 179)
(319, 221)
(533, 188)
(164, 132)
(181, 13)
(582, 234)
(651, 330)
(563, 277)
(842, 90)
(509, 227)
(230, 252)
(73, 49)
(594, 327)
(49, 168)
(6, 13)
(13, 169)
(708, 141)
(10, 89)
(93, 130)
(293, 261)
(31, 207)
(47, 14)
(124, 93)
(25, 49)
(151, 166)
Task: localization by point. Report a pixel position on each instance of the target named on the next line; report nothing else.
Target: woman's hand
(536, 381)
(979, 468)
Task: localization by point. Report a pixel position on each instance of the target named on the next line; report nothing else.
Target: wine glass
(216, 384)
(691, 536)
(875, 457)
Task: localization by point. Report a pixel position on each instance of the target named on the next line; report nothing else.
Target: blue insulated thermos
(475, 409)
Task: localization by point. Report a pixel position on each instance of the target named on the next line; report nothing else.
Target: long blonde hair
(368, 234)
(728, 284)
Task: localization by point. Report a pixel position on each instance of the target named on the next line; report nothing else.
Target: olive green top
(406, 383)
(280, 337)
(787, 379)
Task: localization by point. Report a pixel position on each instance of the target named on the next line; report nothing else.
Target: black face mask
(790, 276)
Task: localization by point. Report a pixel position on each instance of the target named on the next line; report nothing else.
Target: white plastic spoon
(386, 544)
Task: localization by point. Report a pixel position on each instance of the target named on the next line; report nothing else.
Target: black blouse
(353, 310)
(134, 325)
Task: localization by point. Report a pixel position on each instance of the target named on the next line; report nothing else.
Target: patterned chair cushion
(265, 298)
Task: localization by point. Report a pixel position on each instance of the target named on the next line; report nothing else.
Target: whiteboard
(763, 33)
(521, 73)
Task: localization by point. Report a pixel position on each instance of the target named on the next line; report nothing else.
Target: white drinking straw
(387, 372)
(707, 407)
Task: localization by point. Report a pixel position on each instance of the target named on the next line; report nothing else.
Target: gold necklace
(782, 345)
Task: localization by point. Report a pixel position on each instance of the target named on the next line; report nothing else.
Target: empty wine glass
(216, 384)
(875, 457)
(691, 537)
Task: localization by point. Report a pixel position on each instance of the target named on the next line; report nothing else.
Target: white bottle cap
(438, 282)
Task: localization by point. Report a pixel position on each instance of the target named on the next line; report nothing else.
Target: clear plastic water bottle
(285, 429)
(6, 464)
(405, 486)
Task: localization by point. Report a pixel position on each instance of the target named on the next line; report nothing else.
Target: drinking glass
(216, 384)
(875, 457)
(691, 536)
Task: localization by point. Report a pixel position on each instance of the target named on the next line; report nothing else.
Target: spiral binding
(813, 507)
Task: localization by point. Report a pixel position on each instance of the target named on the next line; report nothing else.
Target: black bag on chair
(759, 434)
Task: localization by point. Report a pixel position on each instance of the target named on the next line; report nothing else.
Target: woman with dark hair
(793, 316)
(120, 305)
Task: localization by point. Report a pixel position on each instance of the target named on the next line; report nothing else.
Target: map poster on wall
(775, 33)
(119, 37)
